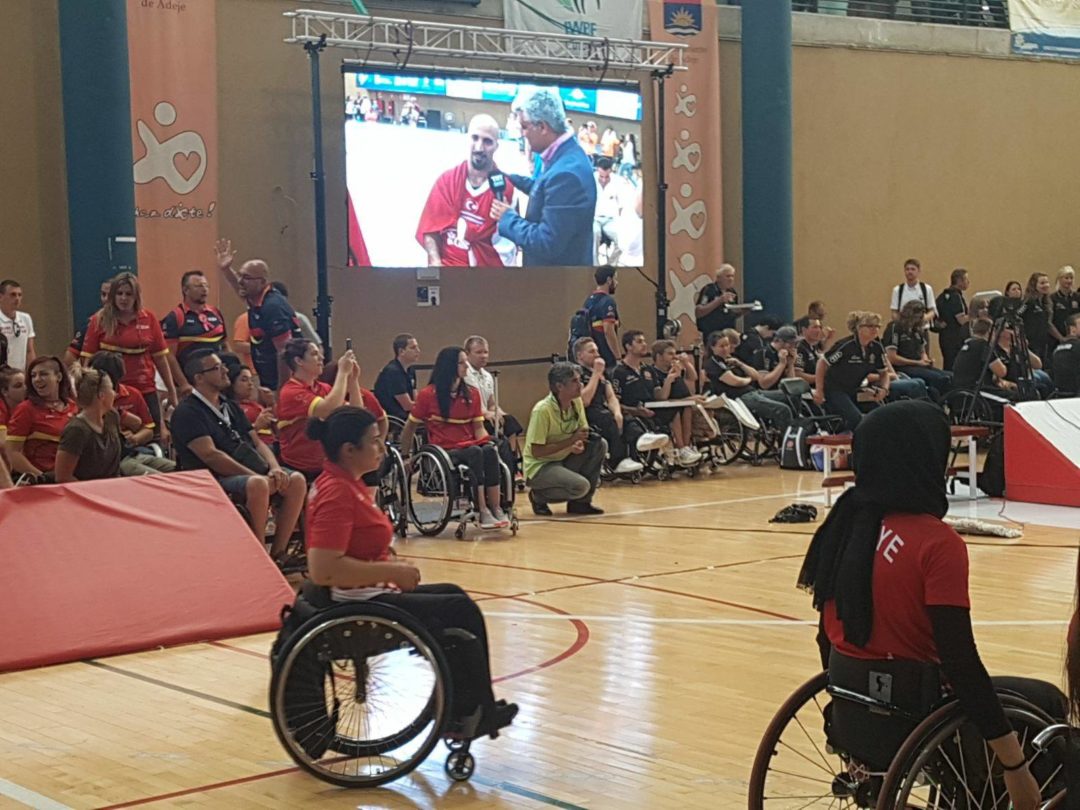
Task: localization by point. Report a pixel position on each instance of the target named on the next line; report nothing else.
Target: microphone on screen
(498, 184)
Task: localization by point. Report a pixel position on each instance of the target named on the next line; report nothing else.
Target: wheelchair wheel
(393, 434)
(795, 767)
(945, 763)
(393, 492)
(730, 441)
(360, 695)
(431, 493)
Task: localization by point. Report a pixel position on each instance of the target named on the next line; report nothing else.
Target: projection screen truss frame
(446, 47)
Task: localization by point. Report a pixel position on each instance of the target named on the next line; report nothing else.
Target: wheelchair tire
(345, 736)
(431, 494)
(794, 765)
(946, 746)
(393, 493)
(730, 442)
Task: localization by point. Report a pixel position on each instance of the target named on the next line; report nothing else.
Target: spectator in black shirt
(671, 369)
(971, 359)
(625, 437)
(710, 310)
(816, 312)
(953, 317)
(1065, 300)
(395, 387)
(840, 373)
(1038, 310)
(755, 339)
(808, 351)
(272, 321)
(1006, 357)
(906, 345)
(730, 376)
(210, 432)
(1067, 359)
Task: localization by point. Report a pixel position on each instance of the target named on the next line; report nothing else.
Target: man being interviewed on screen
(456, 227)
(557, 229)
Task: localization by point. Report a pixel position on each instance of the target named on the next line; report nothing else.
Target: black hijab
(899, 454)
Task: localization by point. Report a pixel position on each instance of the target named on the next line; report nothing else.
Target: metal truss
(411, 43)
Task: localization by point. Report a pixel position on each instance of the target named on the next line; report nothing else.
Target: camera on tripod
(1011, 310)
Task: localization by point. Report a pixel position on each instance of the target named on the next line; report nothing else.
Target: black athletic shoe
(578, 508)
(539, 507)
(501, 715)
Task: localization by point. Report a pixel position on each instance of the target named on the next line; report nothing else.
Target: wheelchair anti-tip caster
(460, 765)
(459, 533)
(514, 527)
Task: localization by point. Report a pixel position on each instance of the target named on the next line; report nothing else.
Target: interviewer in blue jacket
(557, 228)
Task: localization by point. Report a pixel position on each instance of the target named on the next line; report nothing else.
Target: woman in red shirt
(451, 411)
(891, 582)
(124, 326)
(245, 392)
(33, 431)
(348, 550)
(12, 392)
(305, 397)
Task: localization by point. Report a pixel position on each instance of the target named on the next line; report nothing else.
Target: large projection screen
(427, 154)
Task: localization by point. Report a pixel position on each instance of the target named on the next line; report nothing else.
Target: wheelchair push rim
(794, 766)
(358, 697)
(431, 494)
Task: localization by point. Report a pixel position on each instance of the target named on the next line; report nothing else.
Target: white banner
(1045, 27)
(617, 19)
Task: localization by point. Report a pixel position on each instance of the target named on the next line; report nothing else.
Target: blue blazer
(557, 229)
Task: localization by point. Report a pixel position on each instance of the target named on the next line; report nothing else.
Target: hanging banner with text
(1045, 28)
(172, 51)
(695, 233)
(616, 19)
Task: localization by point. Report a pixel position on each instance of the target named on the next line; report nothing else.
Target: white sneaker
(490, 521)
(688, 456)
(628, 466)
(652, 441)
(671, 458)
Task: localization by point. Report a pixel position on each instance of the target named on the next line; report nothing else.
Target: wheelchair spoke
(802, 776)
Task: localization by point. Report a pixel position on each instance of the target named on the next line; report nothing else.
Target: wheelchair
(440, 491)
(360, 695)
(393, 434)
(392, 490)
(942, 763)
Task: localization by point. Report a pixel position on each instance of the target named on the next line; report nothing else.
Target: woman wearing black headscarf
(891, 579)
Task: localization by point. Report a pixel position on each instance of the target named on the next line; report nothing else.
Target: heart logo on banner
(187, 163)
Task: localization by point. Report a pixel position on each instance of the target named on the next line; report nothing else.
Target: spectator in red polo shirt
(452, 412)
(12, 392)
(33, 433)
(74, 349)
(124, 326)
(192, 324)
(348, 543)
(244, 391)
(305, 397)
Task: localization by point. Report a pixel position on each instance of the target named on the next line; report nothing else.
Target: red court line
(202, 788)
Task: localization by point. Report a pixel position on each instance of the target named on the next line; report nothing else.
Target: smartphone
(348, 344)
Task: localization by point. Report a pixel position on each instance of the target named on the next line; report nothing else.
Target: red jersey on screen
(920, 562)
(454, 431)
(251, 410)
(139, 342)
(38, 429)
(342, 516)
(461, 217)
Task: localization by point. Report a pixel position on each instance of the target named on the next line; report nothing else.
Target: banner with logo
(617, 19)
(1045, 27)
(172, 51)
(695, 232)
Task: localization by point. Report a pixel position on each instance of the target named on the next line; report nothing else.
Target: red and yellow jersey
(456, 430)
(38, 429)
(138, 342)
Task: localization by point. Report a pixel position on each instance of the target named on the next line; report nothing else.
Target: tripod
(1019, 358)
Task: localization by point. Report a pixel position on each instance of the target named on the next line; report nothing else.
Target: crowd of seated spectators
(136, 394)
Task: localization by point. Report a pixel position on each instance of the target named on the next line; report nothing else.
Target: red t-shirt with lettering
(128, 400)
(342, 516)
(296, 402)
(452, 432)
(139, 342)
(38, 429)
(920, 562)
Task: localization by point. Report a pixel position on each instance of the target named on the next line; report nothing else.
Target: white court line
(28, 797)
(796, 495)
(734, 622)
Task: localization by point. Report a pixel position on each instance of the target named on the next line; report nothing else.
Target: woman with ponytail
(890, 580)
(348, 551)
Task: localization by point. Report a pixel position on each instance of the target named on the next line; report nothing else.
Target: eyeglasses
(215, 367)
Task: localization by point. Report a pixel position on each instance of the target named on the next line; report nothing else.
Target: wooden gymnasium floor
(648, 648)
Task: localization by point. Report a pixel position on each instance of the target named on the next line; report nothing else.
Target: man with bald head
(272, 321)
(455, 226)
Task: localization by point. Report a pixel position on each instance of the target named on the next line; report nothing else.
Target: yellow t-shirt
(549, 423)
